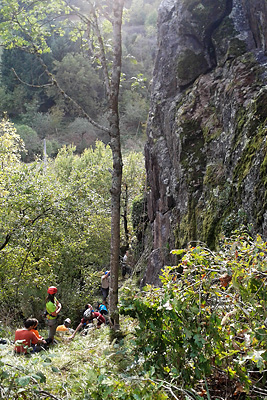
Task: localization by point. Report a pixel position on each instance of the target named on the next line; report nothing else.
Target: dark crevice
(209, 32)
(208, 43)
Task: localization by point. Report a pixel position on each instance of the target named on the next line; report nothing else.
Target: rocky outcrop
(206, 153)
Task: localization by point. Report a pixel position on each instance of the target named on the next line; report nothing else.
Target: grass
(69, 369)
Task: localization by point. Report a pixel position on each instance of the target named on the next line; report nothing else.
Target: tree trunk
(125, 218)
(115, 145)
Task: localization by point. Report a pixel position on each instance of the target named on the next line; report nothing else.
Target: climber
(88, 317)
(53, 308)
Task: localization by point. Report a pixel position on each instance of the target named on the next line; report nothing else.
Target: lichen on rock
(206, 150)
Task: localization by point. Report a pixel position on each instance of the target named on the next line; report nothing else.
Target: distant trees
(32, 142)
(54, 224)
(75, 67)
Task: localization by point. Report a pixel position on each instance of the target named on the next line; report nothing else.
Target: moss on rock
(248, 156)
(192, 156)
(190, 65)
(215, 175)
(236, 48)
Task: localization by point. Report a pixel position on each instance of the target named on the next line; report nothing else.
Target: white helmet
(87, 314)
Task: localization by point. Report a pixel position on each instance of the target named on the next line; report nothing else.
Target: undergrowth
(89, 367)
(201, 335)
(205, 328)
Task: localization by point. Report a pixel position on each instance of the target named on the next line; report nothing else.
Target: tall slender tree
(113, 97)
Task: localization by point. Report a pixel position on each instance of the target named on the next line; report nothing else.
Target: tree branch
(29, 84)
(8, 237)
(67, 97)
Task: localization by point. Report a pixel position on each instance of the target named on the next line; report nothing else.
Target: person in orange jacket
(26, 339)
(65, 328)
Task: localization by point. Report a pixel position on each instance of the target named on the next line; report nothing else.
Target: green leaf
(23, 380)
(40, 376)
(55, 369)
(178, 252)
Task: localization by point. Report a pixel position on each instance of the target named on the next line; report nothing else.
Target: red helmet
(52, 290)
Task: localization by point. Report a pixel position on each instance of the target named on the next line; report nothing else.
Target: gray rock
(206, 149)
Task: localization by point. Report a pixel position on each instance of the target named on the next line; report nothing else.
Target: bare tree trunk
(125, 217)
(115, 145)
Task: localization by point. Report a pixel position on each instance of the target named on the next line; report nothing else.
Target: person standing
(126, 269)
(105, 285)
(53, 308)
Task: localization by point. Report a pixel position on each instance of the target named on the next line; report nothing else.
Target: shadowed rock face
(206, 150)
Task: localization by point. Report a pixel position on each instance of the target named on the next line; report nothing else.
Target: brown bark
(125, 217)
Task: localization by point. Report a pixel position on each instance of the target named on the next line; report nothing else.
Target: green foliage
(32, 142)
(77, 76)
(138, 211)
(45, 124)
(6, 100)
(134, 112)
(139, 221)
(212, 317)
(11, 145)
(55, 223)
(82, 134)
(72, 56)
(143, 13)
(55, 227)
(25, 25)
(18, 63)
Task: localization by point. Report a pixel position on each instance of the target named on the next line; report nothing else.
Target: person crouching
(26, 340)
(89, 316)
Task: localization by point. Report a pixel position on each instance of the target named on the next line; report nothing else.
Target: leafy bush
(209, 318)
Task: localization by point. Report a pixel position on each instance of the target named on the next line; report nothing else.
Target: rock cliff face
(206, 154)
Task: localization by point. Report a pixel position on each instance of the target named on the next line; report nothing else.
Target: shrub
(209, 318)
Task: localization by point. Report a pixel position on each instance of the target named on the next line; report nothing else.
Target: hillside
(202, 335)
(40, 111)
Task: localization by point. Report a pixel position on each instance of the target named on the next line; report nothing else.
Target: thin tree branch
(29, 84)
(103, 58)
(8, 237)
(67, 97)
